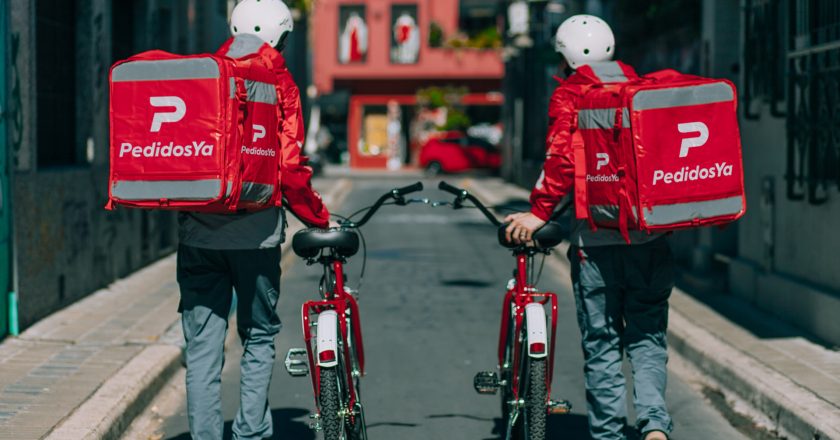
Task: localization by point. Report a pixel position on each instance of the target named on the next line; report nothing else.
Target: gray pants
(622, 294)
(206, 278)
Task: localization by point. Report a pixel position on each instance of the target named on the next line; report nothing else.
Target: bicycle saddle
(308, 243)
(546, 237)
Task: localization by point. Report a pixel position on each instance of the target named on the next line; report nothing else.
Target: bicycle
(335, 347)
(525, 366)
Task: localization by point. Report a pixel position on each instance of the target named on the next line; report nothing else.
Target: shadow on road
(285, 426)
(561, 426)
(466, 283)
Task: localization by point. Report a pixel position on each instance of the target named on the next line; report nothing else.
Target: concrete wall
(67, 245)
(786, 255)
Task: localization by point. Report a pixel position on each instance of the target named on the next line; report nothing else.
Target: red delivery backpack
(194, 133)
(657, 153)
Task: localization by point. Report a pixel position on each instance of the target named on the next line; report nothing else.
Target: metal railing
(764, 57)
(813, 104)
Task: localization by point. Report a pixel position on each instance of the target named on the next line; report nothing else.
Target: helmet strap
(282, 43)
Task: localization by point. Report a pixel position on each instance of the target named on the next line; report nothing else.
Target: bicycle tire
(506, 378)
(332, 422)
(535, 398)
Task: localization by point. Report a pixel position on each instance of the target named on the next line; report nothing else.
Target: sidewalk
(86, 371)
(771, 365)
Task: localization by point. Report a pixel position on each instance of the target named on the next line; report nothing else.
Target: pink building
(381, 52)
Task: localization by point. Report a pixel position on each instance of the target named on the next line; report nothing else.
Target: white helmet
(270, 20)
(583, 39)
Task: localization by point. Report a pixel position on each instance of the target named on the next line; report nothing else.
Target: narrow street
(430, 308)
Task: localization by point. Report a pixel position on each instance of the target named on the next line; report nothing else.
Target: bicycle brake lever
(423, 201)
(459, 202)
(440, 203)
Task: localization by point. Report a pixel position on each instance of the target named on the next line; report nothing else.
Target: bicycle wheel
(332, 419)
(533, 416)
(505, 377)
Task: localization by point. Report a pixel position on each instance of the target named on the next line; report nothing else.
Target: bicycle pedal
(486, 382)
(296, 362)
(315, 424)
(559, 407)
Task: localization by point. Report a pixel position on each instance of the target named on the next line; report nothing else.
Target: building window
(352, 35)
(764, 58)
(477, 17)
(813, 157)
(405, 34)
(56, 83)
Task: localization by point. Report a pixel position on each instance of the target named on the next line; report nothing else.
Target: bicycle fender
(327, 339)
(536, 327)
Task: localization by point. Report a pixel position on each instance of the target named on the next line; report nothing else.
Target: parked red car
(455, 152)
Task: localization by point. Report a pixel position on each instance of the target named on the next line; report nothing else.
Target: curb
(792, 407)
(109, 411)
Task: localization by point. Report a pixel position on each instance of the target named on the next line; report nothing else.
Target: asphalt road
(430, 307)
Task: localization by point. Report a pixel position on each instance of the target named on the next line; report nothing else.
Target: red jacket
(295, 181)
(558, 174)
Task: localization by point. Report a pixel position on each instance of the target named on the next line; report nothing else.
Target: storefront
(388, 131)
(383, 54)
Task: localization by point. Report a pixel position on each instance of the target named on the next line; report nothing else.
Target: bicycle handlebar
(408, 189)
(462, 195)
(397, 194)
(451, 189)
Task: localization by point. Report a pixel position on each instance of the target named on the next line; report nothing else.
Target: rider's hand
(522, 227)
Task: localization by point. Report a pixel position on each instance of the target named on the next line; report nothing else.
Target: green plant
(435, 35)
(456, 119)
(437, 97)
(303, 5)
(487, 39)
(458, 41)
(449, 98)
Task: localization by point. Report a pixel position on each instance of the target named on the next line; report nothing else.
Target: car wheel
(434, 168)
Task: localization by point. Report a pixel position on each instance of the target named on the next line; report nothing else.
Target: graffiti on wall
(16, 106)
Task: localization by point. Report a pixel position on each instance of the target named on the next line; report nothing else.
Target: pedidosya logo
(157, 149)
(698, 172)
(254, 150)
(603, 160)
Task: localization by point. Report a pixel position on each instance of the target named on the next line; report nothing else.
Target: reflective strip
(596, 118)
(608, 72)
(256, 192)
(608, 213)
(232, 87)
(244, 44)
(193, 68)
(261, 92)
(683, 96)
(682, 212)
(169, 190)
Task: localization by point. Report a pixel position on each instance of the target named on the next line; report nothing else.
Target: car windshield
(478, 142)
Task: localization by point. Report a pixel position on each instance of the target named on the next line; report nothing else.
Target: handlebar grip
(443, 186)
(410, 189)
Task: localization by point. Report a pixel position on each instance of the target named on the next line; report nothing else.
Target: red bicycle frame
(516, 299)
(340, 301)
